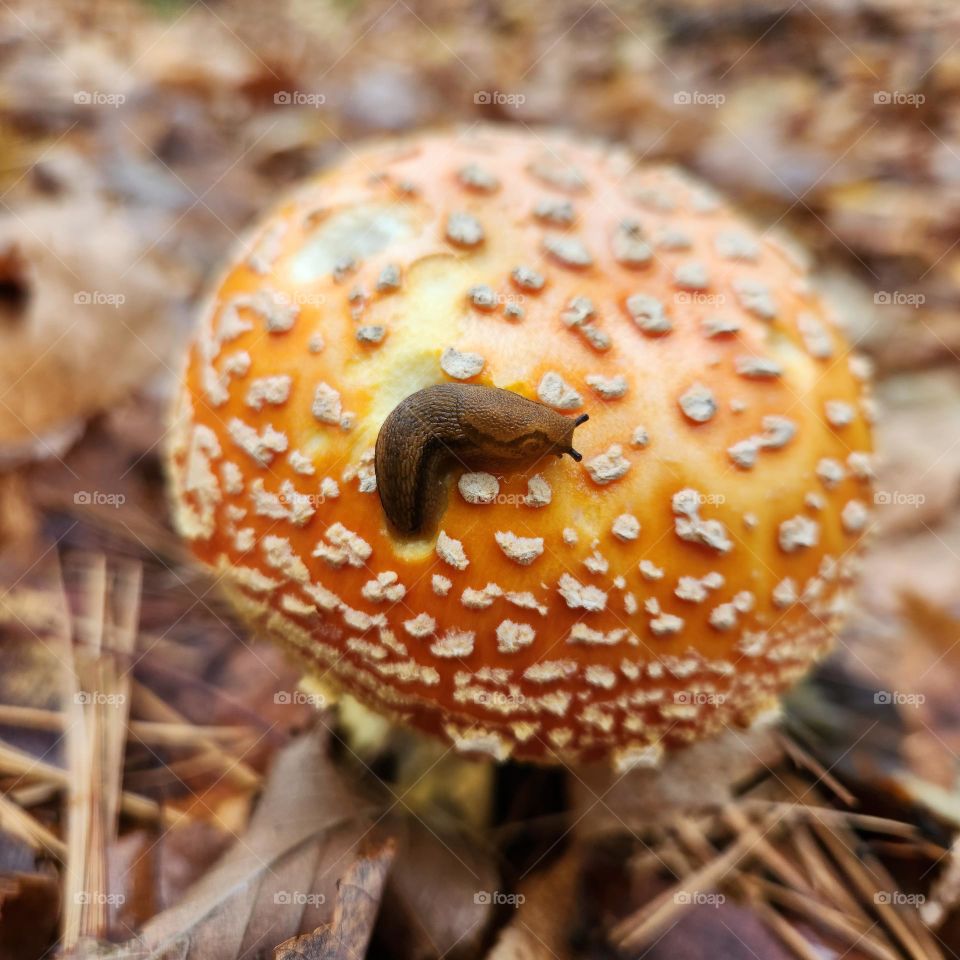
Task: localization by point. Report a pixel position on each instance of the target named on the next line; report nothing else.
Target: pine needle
(840, 844)
(150, 732)
(806, 761)
(97, 688)
(18, 822)
(637, 929)
(234, 768)
(856, 934)
(14, 762)
(787, 933)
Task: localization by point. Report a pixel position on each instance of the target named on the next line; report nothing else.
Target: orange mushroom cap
(689, 569)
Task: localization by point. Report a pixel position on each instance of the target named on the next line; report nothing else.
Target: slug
(437, 428)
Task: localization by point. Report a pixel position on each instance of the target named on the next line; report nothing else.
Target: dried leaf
(346, 936)
(700, 776)
(257, 895)
(29, 901)
(132, 873)
(726, 931)
(440, 894)
(29, 907)
(81, 327)
(545, 907)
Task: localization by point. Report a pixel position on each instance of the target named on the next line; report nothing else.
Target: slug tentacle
(440, 427)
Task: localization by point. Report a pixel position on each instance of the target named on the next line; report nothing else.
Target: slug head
(568, 444)
(548, 434)
(506, 428)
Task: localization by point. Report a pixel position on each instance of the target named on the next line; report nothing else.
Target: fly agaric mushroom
(687, 571)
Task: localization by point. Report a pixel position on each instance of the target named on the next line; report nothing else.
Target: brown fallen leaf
(438, 900)
(346, 936)
(727, 931)
(132, 873)
(936, 625)
(301, 836)
(19, 518)
(545, 906)
(29, 900)
(702, 775)
(183, 854)
(918, 472)
(81, 327)
(29, 907)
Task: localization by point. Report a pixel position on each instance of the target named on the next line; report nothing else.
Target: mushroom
(675, 581)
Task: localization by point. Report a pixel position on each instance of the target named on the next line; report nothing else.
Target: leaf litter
(201, 800)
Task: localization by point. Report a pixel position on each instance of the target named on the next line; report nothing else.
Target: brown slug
(439, 427)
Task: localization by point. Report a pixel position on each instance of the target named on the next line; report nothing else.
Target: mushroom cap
(687, 571)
